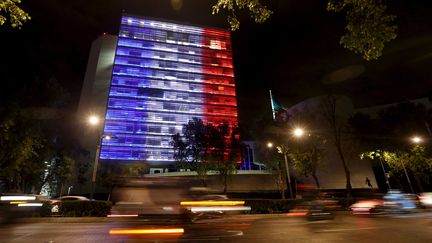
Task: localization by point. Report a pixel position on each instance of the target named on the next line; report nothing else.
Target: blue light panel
(165, 74)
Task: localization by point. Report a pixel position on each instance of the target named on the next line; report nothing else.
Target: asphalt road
(248, 228)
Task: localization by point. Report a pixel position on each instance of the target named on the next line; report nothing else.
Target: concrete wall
(330, 172)
(331, 176)
(242, 181)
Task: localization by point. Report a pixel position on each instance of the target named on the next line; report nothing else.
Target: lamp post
(95, 166)
(283, 149)
(386, 175)
(298, 132)
(416, 140)
(287, 171)
(407, 176)
(94, 121)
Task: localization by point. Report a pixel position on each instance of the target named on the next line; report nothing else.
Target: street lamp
(416, 139)
(94, 121)
(283, 149)
(298, 132)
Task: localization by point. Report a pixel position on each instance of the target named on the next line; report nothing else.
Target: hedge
(271, 205)
(282, 206)
(44, 211)
(84, 208)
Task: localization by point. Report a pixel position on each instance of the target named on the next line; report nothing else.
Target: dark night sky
(296, 53)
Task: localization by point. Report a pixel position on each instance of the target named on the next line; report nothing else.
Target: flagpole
(272, 106)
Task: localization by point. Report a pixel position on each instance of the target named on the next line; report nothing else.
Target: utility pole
(407, 176)
(288, 172)
(95, 166)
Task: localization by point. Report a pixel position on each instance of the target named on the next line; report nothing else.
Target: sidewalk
(106, 219)
(66, 220)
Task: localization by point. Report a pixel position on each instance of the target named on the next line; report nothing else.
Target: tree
(17, 16)
(225, 148)
(369, 26)
(58, 173)
(337, 125)
(192, 149)
(203, 147)
(111, 174)
(20, 142)
(82, 165)
(258, 12)
(390, 129)
(274, 163)
(266, 131)
(33, 135)
(416, 160)
(307, 155)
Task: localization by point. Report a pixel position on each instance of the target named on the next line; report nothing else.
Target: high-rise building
(164, 75)
(97, 77)
(94, 92)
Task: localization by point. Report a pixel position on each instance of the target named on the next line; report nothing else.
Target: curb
(106, 219)
(65, 220)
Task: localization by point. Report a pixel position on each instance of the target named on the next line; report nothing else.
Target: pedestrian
(368, 182)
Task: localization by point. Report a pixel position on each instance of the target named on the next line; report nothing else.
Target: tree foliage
(225, 152)
(58, 173)
(369, 27)
(260, 13)
(36, 149)
(306, 157)
(386, 136)
(268, 131)
(416, 160)
(20, 142)
(17, 16)
(191, 150)
(203, 147)
(392, 126)
(274, 163)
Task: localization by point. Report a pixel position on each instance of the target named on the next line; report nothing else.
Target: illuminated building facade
(164, 74)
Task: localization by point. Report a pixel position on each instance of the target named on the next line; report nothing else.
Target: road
(247, 228)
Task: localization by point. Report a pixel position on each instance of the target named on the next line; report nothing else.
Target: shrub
(281, 206)
(84, 208)
(44, 211)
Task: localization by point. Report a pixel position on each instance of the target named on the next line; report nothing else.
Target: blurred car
(314, 210)
(425, 199)
(55, 202)
(367, 207)
(207, 206)
(151, 197)
(414, 198)
(15, 205)
(70, 198)
(397, 202)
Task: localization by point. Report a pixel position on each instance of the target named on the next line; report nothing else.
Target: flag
(280, 113)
